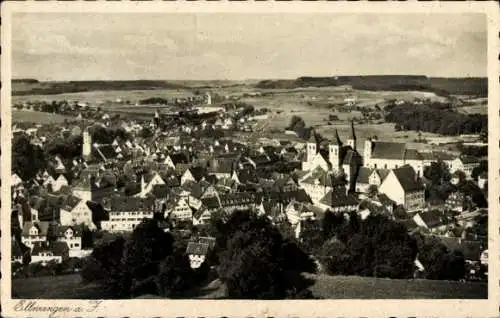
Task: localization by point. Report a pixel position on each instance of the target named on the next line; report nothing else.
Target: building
(391, 155)
(34, 232)
(333, 155)
(125, 213)
(465, 164)
(403, 186)
(319, 182)
(86, 145)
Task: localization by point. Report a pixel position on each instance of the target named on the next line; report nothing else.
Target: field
(347, 287)
(324, 287)
(38, 117)
(48, 287)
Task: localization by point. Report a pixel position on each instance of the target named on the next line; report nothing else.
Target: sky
(237, 46)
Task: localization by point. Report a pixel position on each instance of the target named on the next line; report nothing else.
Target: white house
(402, 186)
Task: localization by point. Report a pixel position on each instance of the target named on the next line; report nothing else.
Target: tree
(27, 159)
(483, 167)
(256, 259)
(175, 275)
(146, 132)
(145, 249)
(372, 191)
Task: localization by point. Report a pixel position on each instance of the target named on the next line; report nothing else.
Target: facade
(403, 187)
(465, 164)
(333, 156)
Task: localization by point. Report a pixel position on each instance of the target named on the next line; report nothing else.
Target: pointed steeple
(353, 134)
(352, 137)
(336, 138)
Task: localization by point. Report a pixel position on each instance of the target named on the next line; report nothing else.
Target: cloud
(188, 46)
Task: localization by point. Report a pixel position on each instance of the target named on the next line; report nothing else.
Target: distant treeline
(51, 88)
(25, 81)
(435, 120)
(440, 86)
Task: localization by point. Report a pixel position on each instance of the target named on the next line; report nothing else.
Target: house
(471, 250)
(402, 186)
(16, 180)
(194, 174)
(125, 213)
(180, 209)
(434, 221)
(76, 211)
(148, 181)
(456, 177)
(297, 212)
(319, 182)
(72, 236)
(458, 201)
(197, 253)
(482, 180)
(337, 201)
(49, 252)
(465, 164)
(34, 232)
(272, 209)
(369, 176)
(176, 161)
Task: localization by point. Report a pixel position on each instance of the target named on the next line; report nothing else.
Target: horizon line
(242, 79)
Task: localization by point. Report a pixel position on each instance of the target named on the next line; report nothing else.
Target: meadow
(324, 287)
(23, 116)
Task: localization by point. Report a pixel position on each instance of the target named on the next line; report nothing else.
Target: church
(333, 156)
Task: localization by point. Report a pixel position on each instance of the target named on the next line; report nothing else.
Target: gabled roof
(351, 158)
(469, 159)
(323, 178)
(433, 218)
(364, 175)
(412, 154)
(130, 204)
(408, 179)
(388, 150)
(179, 158)
(160, 191)
(42, 227)
(70, 202)
(60, 230)
(471, 249)
(338, 199)
(198, 172)
(197, 248)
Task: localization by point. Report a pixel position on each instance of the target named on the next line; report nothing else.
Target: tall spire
(353, 134)
(336, 138)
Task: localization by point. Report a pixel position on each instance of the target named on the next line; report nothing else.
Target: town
(98, 176)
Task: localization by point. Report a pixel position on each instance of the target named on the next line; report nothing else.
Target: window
(385, 166)
(375, 165)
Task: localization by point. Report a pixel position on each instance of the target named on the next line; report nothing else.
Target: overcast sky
(81, 46)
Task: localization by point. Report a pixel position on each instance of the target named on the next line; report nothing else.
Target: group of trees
(251, 258)
(298, 125)
(27, 159)
(106, 135)
(435, 119)
(375, 246)
(142, 263)
(439, 187)
(378, 247)
(256, 261)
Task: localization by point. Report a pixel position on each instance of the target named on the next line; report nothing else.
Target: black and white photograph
(236, 155)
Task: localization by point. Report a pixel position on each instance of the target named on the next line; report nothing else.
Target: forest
(435, 119)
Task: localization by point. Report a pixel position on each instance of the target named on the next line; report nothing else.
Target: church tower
(312, 147)
(87, 144)
(352, 137)
(334, 151)
(156, 119)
